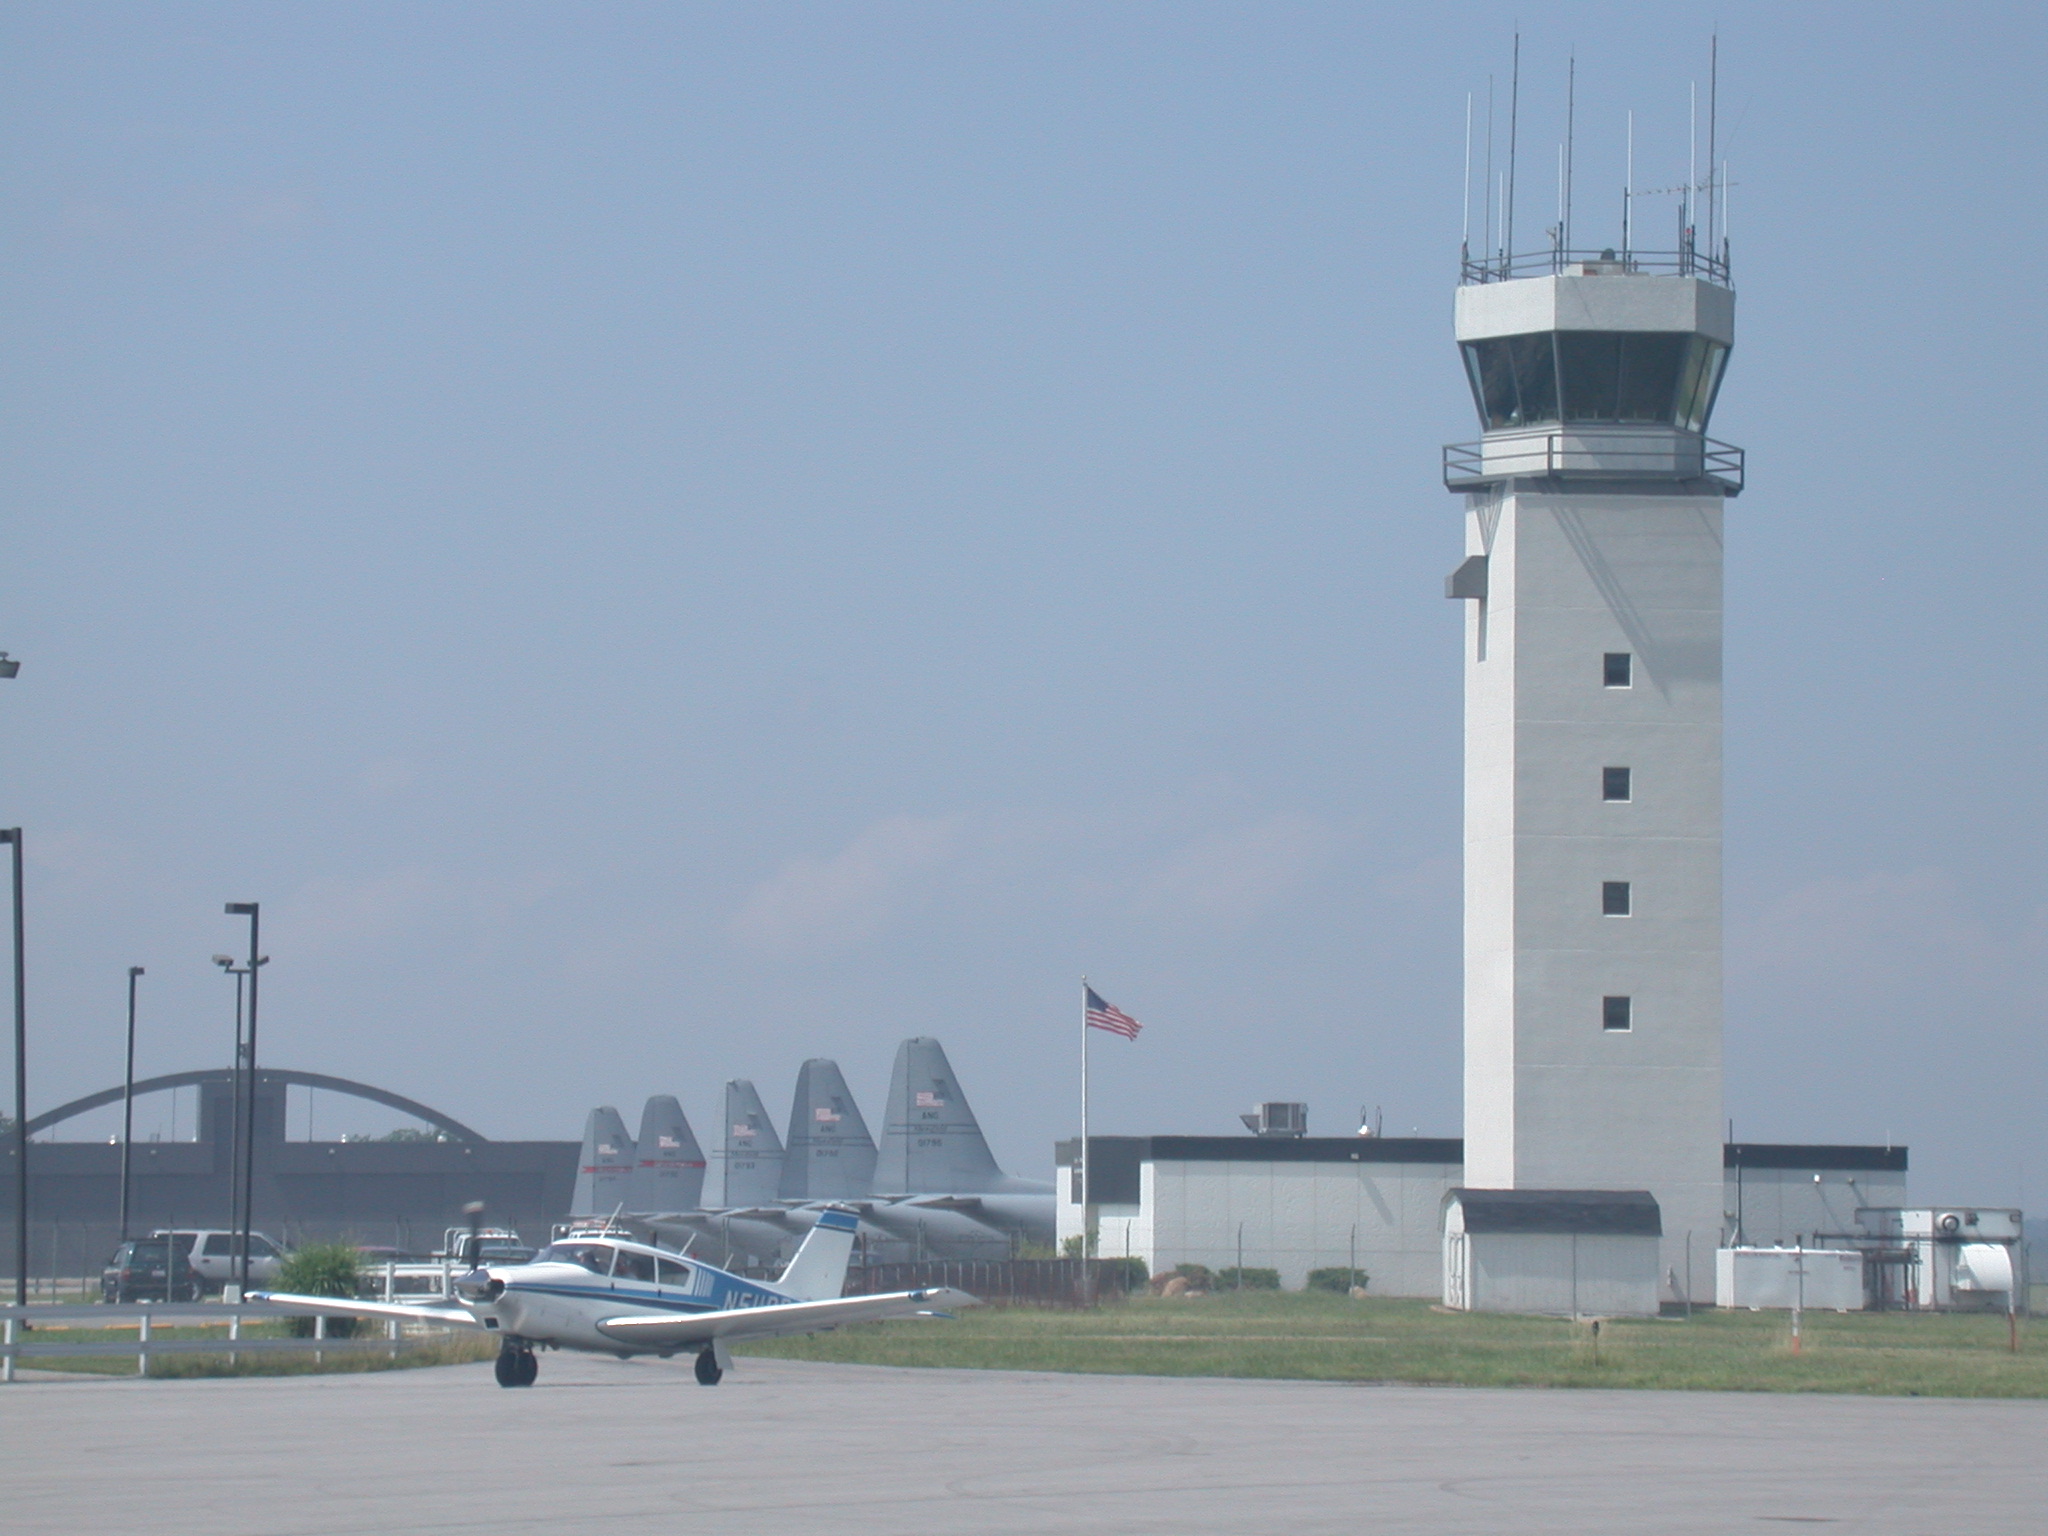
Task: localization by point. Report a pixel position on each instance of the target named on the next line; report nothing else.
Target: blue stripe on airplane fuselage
(726, 1297)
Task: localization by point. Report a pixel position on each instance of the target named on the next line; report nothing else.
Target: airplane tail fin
(830, 1155)
(604, 1172)
(931, 1142)
(752, 1159)
(818, 1272)
(670, 1174)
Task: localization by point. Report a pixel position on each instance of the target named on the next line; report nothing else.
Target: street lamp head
(8, 666)
(134, 970)
(241, 909)
(10, 834)
(223, 961)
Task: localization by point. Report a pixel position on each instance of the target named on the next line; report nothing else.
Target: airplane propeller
(470, 1286)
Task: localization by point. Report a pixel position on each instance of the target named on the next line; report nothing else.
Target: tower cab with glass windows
(1602, 368)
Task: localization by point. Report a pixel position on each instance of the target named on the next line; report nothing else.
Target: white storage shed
(1569, 1252)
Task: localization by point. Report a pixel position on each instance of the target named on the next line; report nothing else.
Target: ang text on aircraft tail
(604, 1171)
(829, 1155)
(931, 1142)
(670, 1171)
(752, 1160)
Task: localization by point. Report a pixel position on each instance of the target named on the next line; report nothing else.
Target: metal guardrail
(1686, 261)
(19, 1342)
(1550, 456)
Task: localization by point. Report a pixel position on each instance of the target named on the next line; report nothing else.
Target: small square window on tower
(1614, 784)
(1614, 898)
(1616, 1013)
(1618, 669)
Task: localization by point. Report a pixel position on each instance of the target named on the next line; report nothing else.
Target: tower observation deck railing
(1587, 453)
(1686, 261)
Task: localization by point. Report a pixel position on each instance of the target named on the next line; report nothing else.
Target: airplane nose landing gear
(708, 1370)
(517, 1365)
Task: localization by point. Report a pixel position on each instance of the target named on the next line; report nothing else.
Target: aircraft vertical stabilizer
(604, 1173)
(670, 1171)
(830, 1154)
(931, 1142)
(752, 1159)
(818, 1272)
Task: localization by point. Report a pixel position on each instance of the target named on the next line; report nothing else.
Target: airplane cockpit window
(633, 1266)
(595, 1257)
(669, 1272)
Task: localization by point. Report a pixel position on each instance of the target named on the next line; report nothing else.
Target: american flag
(1106, 1015)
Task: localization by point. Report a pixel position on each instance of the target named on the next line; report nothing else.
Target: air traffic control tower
(1593, 729)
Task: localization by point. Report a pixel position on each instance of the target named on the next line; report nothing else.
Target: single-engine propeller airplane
(606, 1295)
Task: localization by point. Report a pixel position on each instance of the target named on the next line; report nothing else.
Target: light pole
(227, 964)
(12, 835)
(128, 1103)
(248, 909)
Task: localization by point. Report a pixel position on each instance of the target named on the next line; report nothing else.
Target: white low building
(1294, 1204)
(1291, 1204)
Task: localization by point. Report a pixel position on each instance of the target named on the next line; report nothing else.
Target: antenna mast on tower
(1571, 86)
(1713, 125)
(1514, 109)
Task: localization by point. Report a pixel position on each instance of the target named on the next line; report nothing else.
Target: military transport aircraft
(606, 1295)
(932, 1189)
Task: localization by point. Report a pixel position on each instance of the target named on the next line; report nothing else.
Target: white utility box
(1824, 1279)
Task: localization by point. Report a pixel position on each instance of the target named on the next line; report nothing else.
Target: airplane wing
(339, 1306)
(741, 1323)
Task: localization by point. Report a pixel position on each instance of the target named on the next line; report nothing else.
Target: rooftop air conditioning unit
(1277, 1119)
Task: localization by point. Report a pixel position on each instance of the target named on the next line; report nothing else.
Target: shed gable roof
(1586, 1212)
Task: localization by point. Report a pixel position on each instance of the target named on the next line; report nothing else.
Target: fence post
(234, 1333)
(142, 1350)
(7, 1373)
(319, 1332)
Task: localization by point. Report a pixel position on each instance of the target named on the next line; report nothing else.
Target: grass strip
(1317, 1337)
(439, 1348)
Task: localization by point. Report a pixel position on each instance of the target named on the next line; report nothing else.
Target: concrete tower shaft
(1593, 946)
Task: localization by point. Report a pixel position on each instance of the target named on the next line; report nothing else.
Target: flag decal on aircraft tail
(1106, 1015)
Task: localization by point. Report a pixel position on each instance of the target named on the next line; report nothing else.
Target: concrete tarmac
(610, 1445)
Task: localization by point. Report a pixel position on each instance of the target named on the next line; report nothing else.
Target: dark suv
(147, 1270)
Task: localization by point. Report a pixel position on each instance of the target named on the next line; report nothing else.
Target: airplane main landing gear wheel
(517, 1367)
(708, 1373)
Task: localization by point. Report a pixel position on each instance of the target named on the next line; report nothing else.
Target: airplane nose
(479, 1285)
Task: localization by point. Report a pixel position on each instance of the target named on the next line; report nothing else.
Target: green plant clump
(1125, 1274)
(322, 1269)
(1247, 1279)
(1340, 1280)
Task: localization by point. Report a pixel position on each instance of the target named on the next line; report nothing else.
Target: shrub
(322, 1269)
(1121, 1275)
(1247, 1279)
(1340, 1280)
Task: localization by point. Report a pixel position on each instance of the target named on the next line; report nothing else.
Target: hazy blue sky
(660, 541)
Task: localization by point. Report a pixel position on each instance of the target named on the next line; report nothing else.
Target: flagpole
(1085, 1192)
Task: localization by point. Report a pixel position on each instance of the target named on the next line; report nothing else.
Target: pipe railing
(1565, 453)
(1686, 261)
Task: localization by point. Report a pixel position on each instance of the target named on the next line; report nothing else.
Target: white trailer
(1818, 1279)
